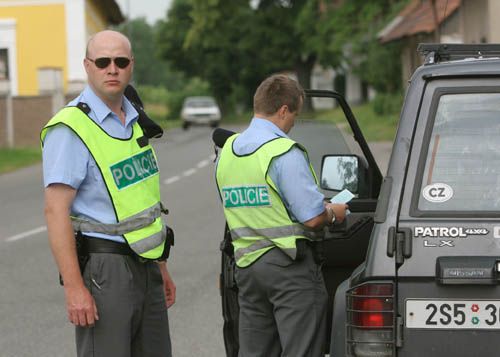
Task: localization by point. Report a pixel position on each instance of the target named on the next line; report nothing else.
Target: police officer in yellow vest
(102, 181)
(274, 209)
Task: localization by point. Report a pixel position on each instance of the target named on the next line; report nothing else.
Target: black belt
(97, 245)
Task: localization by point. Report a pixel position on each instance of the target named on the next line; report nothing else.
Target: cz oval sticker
(438, 192)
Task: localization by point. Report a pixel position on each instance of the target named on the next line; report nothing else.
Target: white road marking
(188, 172)
(202, 163)
(26, 234)
(171, 180)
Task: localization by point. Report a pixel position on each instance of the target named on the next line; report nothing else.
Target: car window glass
(319, 138)
(200, 103)
(462, 168)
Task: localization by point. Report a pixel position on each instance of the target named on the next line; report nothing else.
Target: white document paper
(343, 197)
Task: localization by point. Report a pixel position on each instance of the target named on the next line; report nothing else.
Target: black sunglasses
(104, 62)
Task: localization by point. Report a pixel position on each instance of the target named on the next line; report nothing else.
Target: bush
(153, 95)
(174, 100)
(154, 99)
(387, 103)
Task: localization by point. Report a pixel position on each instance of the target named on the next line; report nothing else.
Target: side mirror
(339, 172)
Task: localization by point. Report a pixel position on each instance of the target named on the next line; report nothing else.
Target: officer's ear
(282, 111)
(86, 64)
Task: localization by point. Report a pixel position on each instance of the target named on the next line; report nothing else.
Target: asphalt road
(32, 313)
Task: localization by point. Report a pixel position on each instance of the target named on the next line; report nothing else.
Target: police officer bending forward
(272, 205)
(103, 183)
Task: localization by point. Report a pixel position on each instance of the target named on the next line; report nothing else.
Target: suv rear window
(462, 168)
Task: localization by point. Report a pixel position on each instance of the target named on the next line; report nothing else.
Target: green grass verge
(375, 127)
(237, 118)
(12, 159)
(158, 112)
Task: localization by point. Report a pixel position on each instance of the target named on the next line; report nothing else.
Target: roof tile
(417, 17)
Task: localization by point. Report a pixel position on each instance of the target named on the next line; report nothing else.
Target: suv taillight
(370, 320)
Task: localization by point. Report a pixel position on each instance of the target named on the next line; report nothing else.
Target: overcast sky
(152, 10)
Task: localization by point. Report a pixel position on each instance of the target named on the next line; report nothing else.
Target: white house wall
(493, 21)
(322, 78)
(353, 88)
(475, 18)
(8, 41)
(76, 42)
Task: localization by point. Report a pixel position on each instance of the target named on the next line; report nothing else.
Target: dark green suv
(414, 269)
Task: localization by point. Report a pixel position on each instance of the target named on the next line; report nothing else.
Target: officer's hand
(168, 284)
(339, 210)
(81, 307)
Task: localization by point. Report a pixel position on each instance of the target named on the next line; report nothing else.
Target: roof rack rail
(439, 52)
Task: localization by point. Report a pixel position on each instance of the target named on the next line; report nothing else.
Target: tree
(171, 37)
(288, 30)
(149, 67)
(202, 38)
(234, 46)
(352, 27)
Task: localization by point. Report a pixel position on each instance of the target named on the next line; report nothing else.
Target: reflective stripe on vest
(130, 173)
(275, 232)
(257, 218)
(140, 220)
(261, 244)
(148, 243)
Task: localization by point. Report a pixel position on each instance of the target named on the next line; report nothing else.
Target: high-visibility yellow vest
(256, 215)
(131, 176)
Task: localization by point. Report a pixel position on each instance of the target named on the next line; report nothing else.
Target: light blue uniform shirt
(67, 160)
(290, 172)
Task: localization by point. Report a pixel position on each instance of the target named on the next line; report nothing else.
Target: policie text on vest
(245, 196)
(134, 169)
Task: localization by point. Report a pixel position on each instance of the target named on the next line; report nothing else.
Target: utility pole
(437, 32)
(129, 28)
(6, 92)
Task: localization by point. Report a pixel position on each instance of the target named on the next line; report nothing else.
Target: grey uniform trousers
(133, 319)
(282, 307)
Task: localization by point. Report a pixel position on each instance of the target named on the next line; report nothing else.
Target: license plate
(453, 314)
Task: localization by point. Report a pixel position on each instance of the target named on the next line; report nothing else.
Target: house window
(4, 64)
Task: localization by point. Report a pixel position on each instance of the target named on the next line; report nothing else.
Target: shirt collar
(260, 123)
(102, 111)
